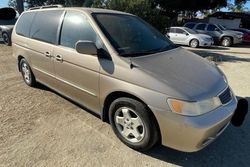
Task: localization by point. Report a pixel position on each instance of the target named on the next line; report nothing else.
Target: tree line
(159, 13)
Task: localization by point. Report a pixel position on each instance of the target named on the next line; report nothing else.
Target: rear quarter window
(24, 23)
(45, 26)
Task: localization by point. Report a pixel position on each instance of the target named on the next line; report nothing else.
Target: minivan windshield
(131, 36)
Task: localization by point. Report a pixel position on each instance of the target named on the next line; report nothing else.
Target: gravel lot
(40, 128)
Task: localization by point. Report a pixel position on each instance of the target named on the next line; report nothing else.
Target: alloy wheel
(129, 124)
(26, 73)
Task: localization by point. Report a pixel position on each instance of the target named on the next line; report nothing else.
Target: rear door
(78, 73)
(44, 34)
(172, 35)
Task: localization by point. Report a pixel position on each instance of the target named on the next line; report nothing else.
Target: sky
(4, 3)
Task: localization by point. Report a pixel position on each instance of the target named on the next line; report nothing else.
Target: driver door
(78, 73)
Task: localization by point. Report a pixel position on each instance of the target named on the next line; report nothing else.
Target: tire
(194, 43)
(27, 73)
(130, 118)
(226, 41)
(6, 39)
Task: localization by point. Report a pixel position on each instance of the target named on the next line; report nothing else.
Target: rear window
(45, 26)
(23, 24)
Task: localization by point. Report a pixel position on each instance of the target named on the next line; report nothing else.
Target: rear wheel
(27, 73)
(6, 39)
(226, 41)
(194, 43)
(132, 124)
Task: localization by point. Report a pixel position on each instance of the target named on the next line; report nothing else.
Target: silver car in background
(186, 36)
(220, 34)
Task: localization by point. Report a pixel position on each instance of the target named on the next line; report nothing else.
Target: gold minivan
(120, 67)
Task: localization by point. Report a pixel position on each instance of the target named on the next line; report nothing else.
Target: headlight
(194, 108)
(239, 36)
(207, 39)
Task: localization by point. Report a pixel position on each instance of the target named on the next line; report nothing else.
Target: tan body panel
(78, 76)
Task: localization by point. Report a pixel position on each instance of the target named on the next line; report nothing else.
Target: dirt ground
(40, 128)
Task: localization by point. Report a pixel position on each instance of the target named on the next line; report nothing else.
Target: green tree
(146, 9)
(33, 3)
(237, 7)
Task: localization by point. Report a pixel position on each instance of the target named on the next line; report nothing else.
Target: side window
(23, 24)
(211, 27)
(172, 30)
(190, 25)
(180, 31)
(77, 27)
(45, 26)
(201, 27)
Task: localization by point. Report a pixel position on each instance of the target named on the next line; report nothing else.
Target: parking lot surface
(40, 128)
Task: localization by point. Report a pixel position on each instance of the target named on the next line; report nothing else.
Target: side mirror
(187, 34)
(86, 47)
(216, 29)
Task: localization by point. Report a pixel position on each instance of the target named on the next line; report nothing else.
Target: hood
(184, 74)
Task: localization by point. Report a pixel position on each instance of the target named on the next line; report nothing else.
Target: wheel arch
(118, 94)
(194, 39)
(19, 58)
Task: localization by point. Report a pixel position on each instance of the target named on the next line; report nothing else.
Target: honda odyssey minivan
(120, 67)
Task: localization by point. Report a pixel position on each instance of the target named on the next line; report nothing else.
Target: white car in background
(186, 36)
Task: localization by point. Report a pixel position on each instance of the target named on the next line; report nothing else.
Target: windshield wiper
(137, 53)
(134, 54)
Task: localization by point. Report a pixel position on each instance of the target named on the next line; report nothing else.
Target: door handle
(47, 54)
(59, 58)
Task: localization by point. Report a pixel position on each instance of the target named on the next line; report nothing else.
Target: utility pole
(20, 7)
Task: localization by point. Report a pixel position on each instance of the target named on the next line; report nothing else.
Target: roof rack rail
(47, 6)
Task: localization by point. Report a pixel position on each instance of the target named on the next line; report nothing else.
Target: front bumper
(237, 40)
(206, 43)
(190, 134)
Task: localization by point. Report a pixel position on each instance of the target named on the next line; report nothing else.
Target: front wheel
(6, 39)
(194, 43)
(226, 41)
(132, 123)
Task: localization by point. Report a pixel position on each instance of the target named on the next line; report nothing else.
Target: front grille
(226, 96)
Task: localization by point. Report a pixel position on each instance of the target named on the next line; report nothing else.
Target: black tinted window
(201, 27)
(131, 36)
(190, 25)
(180, 31)
(211, 27)
(23, 25)
(45, 26)
(172, 30)
(77, 27)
